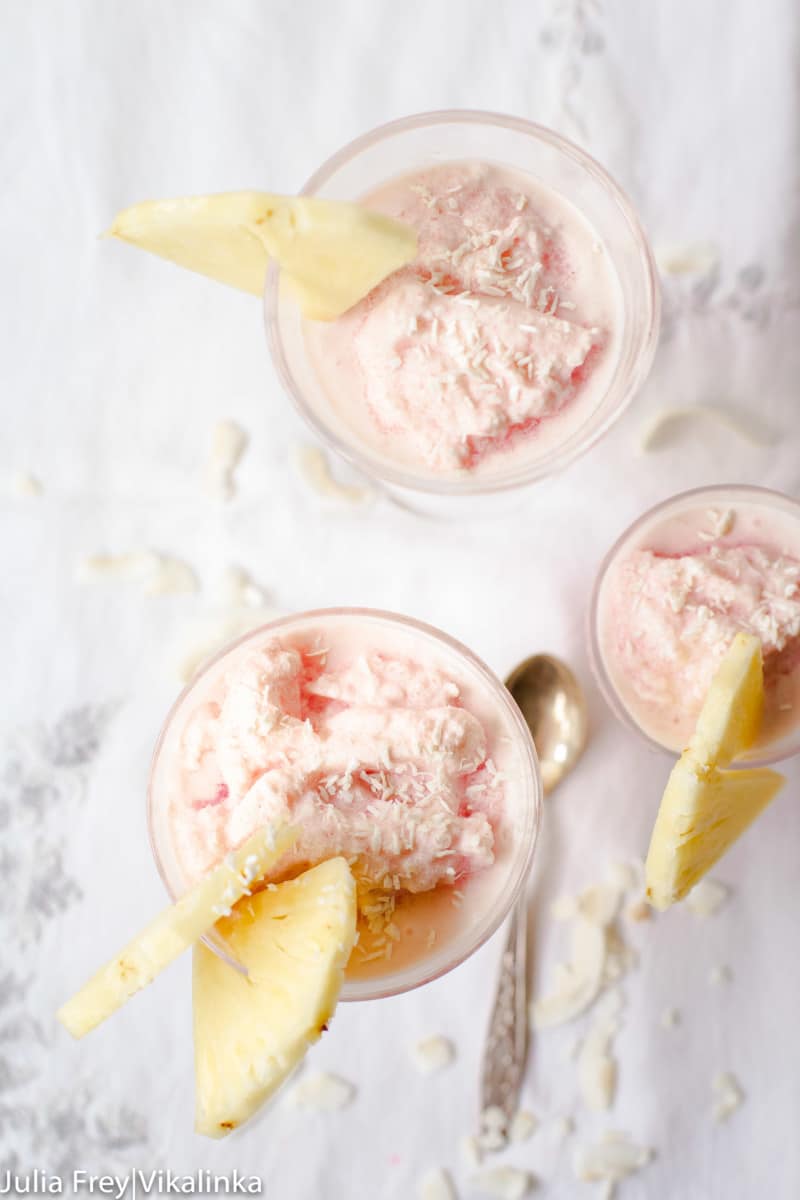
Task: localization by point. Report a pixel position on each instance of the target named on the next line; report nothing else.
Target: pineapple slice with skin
(731, 714)
(703, 811)
(330, 252)
(250, 1031)
(173, 931)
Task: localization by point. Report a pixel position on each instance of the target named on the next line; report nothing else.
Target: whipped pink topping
(374, 759)
(672, 618)
(495, 328)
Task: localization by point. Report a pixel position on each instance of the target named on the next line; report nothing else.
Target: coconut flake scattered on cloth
(523, 1126)
(727, 1095)
(228, 444)
(670, 1018)
(598, 953)
(597, 1069)
(706, 897)
(611, 1159)
(159, 574)
(658, 432)
(322, 1092)
(433, 1054)
(470, 1151)
(503, 1183)
(436, 1184)
(313, 467)
(238, 589)
(25, 485)
(691, 259)
(576, 982)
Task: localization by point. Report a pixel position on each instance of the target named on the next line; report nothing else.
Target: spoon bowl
(552, 702)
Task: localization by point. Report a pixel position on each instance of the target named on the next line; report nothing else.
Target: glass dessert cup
(499, 884)
(427, 140)
(774, 513)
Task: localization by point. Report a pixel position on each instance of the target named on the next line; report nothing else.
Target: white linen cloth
(117, 366)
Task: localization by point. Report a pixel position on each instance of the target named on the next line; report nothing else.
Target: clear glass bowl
(776, 508)
(425, 140)
(524, 799)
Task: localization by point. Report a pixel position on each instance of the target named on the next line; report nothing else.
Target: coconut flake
(436, 1184)
(600, 903)
(720, 974)
(523, 1126)
(158, 574)
(727, 1095)
(578, 981)
(238, 589)
(597, 1069)
(433, 1054)
(564, 908)
(470, 1151)
(613, 1158)
(503, 1183)
(707, 897)
(691, 259)
(655, 434)
(670, 1018)
(313, 467)
(228, 444)
(25, 485)
(627, 876)
(322, 1092)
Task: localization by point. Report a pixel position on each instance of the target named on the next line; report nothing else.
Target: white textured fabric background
(116, 367)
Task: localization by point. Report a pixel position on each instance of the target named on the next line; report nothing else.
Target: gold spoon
(554, 708)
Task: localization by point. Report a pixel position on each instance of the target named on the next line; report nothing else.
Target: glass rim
(627, 378)
(461, 946)
(679, 500)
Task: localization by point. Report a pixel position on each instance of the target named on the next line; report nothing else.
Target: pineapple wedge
(173, 931)
(331, 253)
(703, 811)
(251, 1030)
(731, 715)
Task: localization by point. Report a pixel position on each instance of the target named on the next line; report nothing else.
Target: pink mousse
(374, 758)
(668, 619)
(507, 316)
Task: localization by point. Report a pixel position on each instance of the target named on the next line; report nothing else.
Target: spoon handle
(507, 1038)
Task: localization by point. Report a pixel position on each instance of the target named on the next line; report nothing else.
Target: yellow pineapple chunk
(250, 1031)
(173, 931)
(330, 253)
(703, 811)
(731, 714)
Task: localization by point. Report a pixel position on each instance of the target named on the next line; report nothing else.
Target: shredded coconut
(228, 444)
(433, 1054)
(25, 485)
(158, 574)
(322, 1092)
(313, 467)
(436, 1184)
(707, 897)
(503, 1183)
(727, 1095)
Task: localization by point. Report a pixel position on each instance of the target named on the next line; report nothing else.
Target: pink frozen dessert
(494, 345)
(373, 739)
(683, 582)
